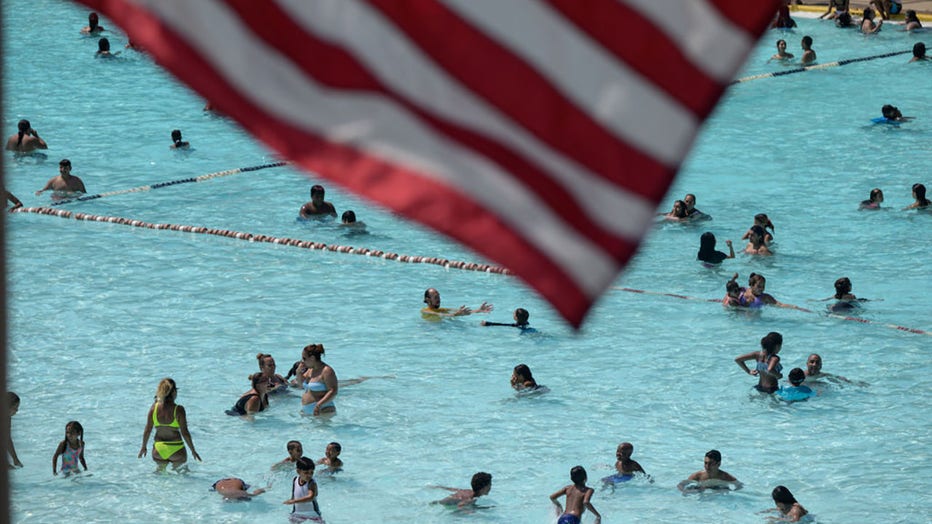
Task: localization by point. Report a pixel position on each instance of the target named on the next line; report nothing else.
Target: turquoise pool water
(99, 313)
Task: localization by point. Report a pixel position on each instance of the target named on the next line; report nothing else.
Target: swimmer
(26, 140)
(578, 496)
(756, 245)
(625, 467)
(481, 484)
(710, 477)
(678, 213)
(522, 380)
(911, 22)
(71, 450)
(521, 317)
(814, 373)
(295, 451)
(433, 311)
(177, 142)
(868, 25)
(232, 488)
(796, 391)
(919, 193)
(781, 51)
(12, 407)
(754, 296)
(320, 383)
(304, 492)
(691, 211)
(103, 49)
(787, 504)
(317, 207)
(276, 382)
(873, 201)
(892, 113)
(732, 293)
(348, 221)
(845, 300)
(254, 400)
(809, 56)
(767, 366)
(331, 458)
(93, 25)
(707, 252)
(762, 220)
(65, 184)
(919, 53)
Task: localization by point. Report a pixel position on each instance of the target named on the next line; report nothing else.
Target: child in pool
(304, 492)
(732, 293)
(796, 391)
(233, 488)
(520, 315)
(522, 380)
(295, 451)
(577, 495)
(331, 458)
(71, 450)
(481, 484)
(625, 466)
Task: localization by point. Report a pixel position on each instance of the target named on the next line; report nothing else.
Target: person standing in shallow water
(317, 207)
(64, 185)
(433, 311)
(767, 364)
(171, 426)
(25, 140)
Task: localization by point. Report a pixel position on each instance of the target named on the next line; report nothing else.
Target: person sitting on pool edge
(433, 311)
(710, 477)
(520, 315)
(317, 207)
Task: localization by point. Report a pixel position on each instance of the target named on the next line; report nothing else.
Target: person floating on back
(578, 499)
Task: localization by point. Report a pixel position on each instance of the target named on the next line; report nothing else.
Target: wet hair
(920, 191)
(23, 127)
(764, 221)
(578, 475)
(771, 342)
(103, 45)
(706, 245)
(317, 189)
(759, 232)
(256, 379)
(919, 50)
(93, 21)
(875, 193)
(842, 286)
(715, 455)
(304, 464)
(427, 293)
(293, 445)
(262, 356)
(797, 376)
(521, 316)
(313, 350)
(165, 389)
(868, 14)
(890, 111)
(12, 399)
(910, 16)
(64, 162)
(682, 206)
(781, 40)
(76, 426)
(336, 445)
(807, 41)
(176, 136)
(524, 371)
(479, 481)
(843, 20)
(731, 287)
(782, 495)
(753, 278)
(348, 217)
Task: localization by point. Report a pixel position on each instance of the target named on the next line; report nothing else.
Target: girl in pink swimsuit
(71, 450)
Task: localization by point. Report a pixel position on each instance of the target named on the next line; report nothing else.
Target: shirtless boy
(577, 499)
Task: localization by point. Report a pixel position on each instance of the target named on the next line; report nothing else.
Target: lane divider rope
(817, 66)
(159, 185)
(239, 235)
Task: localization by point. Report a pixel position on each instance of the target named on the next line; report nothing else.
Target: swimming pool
(100, 312)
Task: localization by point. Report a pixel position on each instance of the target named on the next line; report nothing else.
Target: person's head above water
(919, 50)
(481, 483)
(891, 112)
(432, 297)
(842, 286)
(797, 376)
(814, 364)
(349, 217)
(521, 316)
(771, 343)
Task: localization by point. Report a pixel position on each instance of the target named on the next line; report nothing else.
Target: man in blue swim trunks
(577, 499)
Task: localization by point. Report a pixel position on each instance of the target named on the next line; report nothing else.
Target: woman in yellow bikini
(171, 426)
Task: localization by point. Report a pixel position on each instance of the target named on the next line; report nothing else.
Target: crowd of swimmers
(166, 421)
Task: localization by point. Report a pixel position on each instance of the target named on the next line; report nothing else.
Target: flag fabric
(540, 133)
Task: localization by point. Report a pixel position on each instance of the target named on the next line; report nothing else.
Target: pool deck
(923, 8)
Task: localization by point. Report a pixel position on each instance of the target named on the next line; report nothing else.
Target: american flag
(540, 133)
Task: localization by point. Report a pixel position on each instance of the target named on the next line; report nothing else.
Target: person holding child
(767, 364)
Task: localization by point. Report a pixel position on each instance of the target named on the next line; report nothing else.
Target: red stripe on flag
(644, 48)
(516, 89)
